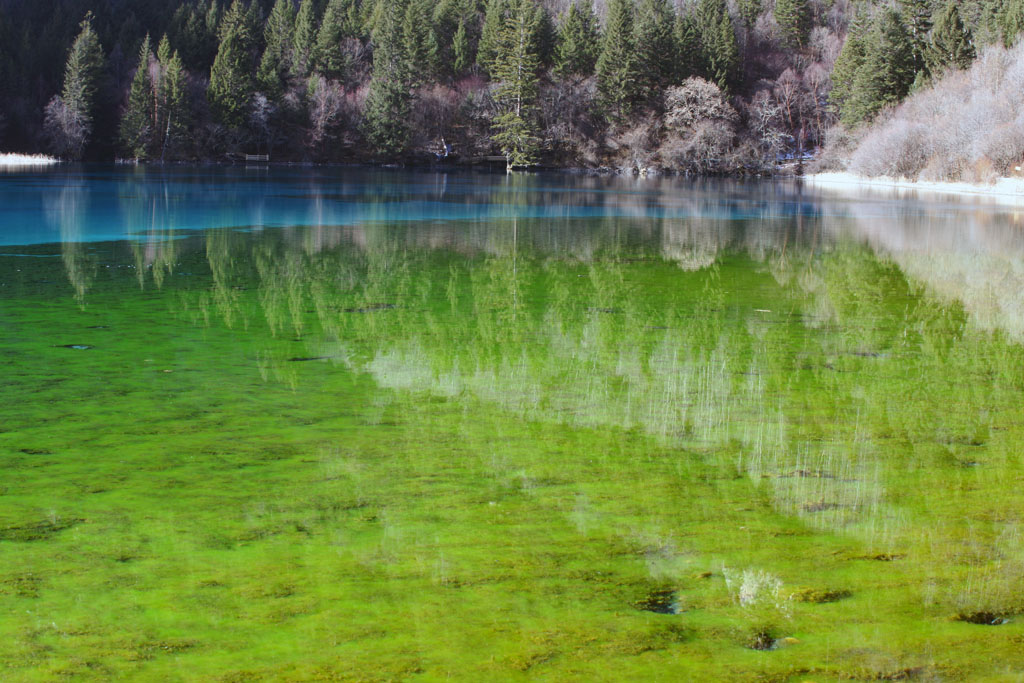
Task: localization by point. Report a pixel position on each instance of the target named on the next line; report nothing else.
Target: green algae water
(352, 425)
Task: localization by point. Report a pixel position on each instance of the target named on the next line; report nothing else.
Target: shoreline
(13, 161)
(1003, 191)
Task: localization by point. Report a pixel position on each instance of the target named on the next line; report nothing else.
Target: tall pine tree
(656, 54)
(618, 83)
(721, 51)
(70, 115)
(83, 70)
(688, 49)
(386, 122)
(461, 49)
(546, 36)
(304, 40)
(277, 53)
(847, 64)
(338, 24)
(515, 68)
(917, 18)
(986, 25)
(1010, 19)
(137, 123)
(419, 42)
(194, 31)
(794, 20)
(749, 11)
(579, 41)
(231, 86)
(952, 44)
(886, 72)
(172, 104)
(490, 34)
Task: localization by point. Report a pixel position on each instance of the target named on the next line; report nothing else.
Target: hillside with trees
(945, 108)
(694, 86)
(967, 126)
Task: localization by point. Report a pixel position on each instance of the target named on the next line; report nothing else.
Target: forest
(696, 86)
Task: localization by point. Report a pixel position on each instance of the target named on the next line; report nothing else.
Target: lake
(343, 424)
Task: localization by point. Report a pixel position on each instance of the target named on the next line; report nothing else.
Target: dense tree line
(695, 85)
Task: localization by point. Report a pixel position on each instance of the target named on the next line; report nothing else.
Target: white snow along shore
(1004, 190)
(18, 160)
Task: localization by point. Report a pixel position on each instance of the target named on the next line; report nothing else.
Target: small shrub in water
(983, 618)
(661, 601)
(762, 638)
(816, 596)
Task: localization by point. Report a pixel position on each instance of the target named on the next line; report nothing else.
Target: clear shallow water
(278, 423)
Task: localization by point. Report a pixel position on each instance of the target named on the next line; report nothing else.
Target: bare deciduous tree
(694, 101)
(66, 127)
(765, 120)
(325, 106)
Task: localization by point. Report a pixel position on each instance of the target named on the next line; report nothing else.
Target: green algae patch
(36, 531)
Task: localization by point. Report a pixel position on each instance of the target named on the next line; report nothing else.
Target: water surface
(342, 424)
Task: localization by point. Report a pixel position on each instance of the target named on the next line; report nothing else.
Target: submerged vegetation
(716, 431)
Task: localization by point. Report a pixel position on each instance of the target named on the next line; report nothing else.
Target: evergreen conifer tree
(917, 18)
(688, 50)
(987, 26)
(304, 40)
(490, 33)
(655, 46)
(461, 49)
(794, 19)
(951, 42)
(69, 116)
(163, 57)
(254, 25)
(231, 85)
(546, 36)
(848, 63)
(195, 32)
(886, 73)
(515, 68)
(749, 11)
(389, 101)
(418, 41)
(172, 104)
(723, 58)
(276, 62)
(137, 129)
(1011, 21)
(718, 39)
(617, 76)
(579, 41)
(337, 25)
(84, 68)
(446, 17)
(707, 14)
(163, 50)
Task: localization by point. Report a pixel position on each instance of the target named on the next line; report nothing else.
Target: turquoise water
(132, 202)
(295, 424)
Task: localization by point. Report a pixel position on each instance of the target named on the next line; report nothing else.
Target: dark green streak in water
(504, 447)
